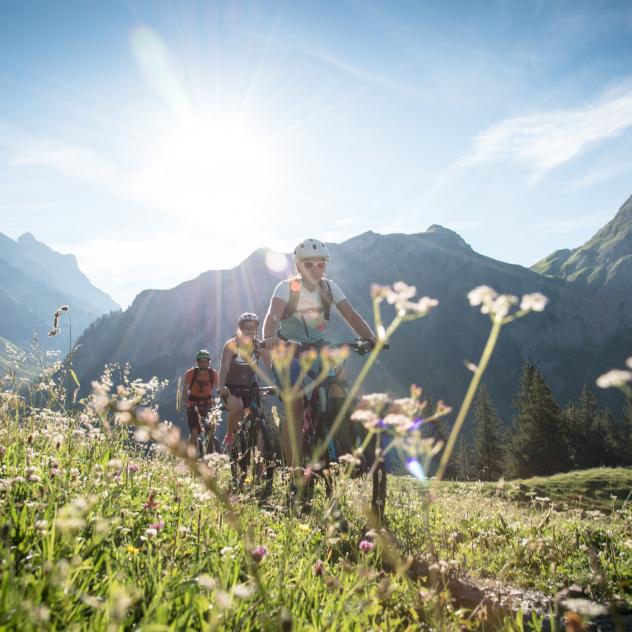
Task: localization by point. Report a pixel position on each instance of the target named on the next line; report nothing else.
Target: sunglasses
(320, 265)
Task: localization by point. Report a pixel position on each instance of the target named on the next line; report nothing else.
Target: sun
(210, 165)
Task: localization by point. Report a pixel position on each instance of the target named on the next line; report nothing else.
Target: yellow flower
(305, 528)
(248, 481)
(132, 549)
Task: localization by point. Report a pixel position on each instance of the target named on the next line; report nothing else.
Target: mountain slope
(572, 341)
(34, 281)
(604, 259)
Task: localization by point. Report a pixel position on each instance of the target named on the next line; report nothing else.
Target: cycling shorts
(196, 412)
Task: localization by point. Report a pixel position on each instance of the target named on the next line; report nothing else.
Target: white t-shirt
(308, 321)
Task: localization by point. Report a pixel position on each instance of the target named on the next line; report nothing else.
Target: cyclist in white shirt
(299, 311)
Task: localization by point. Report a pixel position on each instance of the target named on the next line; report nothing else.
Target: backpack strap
(326, 297)
(290, 307)
(194, 376)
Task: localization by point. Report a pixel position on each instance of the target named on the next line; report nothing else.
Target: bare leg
(235, 407)
(293, 433)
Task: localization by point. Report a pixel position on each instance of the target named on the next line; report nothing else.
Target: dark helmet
(248, 317)
(203, 354)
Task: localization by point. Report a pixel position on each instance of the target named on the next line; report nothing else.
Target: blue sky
(156, 140)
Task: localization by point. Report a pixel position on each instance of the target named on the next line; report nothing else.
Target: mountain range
(34, 281)
(585, 330)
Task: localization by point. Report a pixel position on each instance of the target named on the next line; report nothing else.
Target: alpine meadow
(256, 372)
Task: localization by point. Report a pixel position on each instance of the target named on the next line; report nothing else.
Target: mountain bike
(253, 454)
(320, 411)
(207, 442)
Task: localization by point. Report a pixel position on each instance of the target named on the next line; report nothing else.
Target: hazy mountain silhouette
(572, 341)
(34, 281)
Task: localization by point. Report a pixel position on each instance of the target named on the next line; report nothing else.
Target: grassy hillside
(100, 532)
(599, 488)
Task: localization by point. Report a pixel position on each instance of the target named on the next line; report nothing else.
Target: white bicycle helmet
(311, 249)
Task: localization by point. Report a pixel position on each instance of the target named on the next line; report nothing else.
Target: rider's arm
(227, 356)
(357, 323)
(273, 317)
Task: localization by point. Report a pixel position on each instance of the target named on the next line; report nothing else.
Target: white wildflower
(481, 295)
(500, 306)
(615, 377)
(535, 302)
(206, 581)
(628, 363)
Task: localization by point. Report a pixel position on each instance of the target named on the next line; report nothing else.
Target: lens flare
(414, 467)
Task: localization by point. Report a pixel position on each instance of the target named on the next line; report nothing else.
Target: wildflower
(258, 553)
(366, 546)
(41, 526)
(350, 459)
(318, 568)
(158, 525)
(535, 302)
(616, 377)
(151, 532)
(150, 504)
(227, 551)
(206, 581)
(132, 549)
(421, 308)
(367, 418)
(401, 423)
(481, 295)
(74, 472)
(55, 471)
(243, 591)
(3, 451)
(132, 468)
(628, 363)
(142, 435)
(305, 528)
(34, 478)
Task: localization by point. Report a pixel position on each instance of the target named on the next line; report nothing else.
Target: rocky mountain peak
(448, 236)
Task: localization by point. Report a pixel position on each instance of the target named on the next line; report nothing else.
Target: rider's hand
(224, 391)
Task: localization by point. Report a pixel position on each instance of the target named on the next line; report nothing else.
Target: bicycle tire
(239, 457)
(263, 458)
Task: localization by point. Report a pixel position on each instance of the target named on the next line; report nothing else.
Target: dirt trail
(493, 600)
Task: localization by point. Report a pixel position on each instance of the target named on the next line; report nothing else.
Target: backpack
(326, 298)
(196, 370)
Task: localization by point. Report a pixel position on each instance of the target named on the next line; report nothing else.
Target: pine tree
(538, 446)
(579, 421)
(627, 430)
(489, 439)
(465, 461)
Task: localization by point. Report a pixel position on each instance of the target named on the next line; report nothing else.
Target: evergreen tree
(465, 461)
(489, 439)
(627, 431)
(580, 424)
(609, 441)
(538, 446)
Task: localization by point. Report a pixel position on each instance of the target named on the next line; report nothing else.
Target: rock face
(572, 341)
(34, 281)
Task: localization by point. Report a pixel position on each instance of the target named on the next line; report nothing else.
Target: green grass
(77, 550)
(598, 488)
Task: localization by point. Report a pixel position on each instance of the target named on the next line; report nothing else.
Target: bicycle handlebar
(361, 346)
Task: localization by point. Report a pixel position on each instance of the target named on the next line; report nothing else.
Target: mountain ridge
(571, 342)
